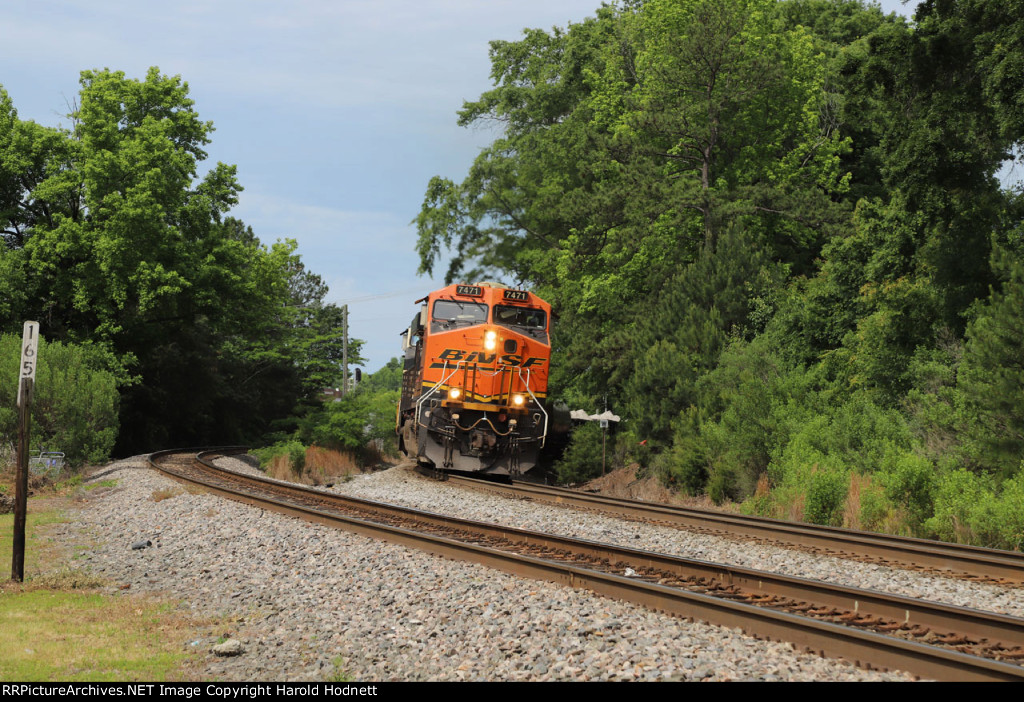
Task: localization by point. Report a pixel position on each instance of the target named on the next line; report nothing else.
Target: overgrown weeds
(314, 465)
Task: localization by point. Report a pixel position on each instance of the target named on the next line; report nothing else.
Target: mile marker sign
(29, 351)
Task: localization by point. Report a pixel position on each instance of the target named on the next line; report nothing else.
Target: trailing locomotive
(475, 378)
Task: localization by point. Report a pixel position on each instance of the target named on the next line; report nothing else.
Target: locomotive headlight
(491, 340)
(518, 400)
(454, 394)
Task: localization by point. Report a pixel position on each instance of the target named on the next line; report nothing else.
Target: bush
(363, 423)
(581, 460)
(999, 522)
(75, 400)
(291, 451)
(969, 509)
(826, 496)
(957, 495)
(909, 481)
(723, 483)
(868, 506)
(686, 464)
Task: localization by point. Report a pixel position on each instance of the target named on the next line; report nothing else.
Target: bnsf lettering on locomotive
(509, 359)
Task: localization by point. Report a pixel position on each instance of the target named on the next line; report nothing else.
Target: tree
(731, 108)
(992, 373)
(631, 142)
(111, 236)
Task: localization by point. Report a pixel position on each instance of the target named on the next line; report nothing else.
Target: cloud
(318, 52)
(337, 112)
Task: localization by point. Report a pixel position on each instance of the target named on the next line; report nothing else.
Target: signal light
(490, 340)
(454, 394)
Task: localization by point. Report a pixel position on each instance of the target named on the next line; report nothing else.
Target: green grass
(49, 635)
(100, 483)
(34, 551)
(58, 627)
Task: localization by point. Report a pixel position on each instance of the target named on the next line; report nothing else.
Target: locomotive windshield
(449, 314)
(531, 319)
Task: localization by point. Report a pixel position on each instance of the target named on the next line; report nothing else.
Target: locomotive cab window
(451, 314)
(523, 317)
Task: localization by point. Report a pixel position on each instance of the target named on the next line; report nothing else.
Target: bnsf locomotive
(475, 379)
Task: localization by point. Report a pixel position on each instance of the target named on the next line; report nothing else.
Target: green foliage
(361, 418)
(910, 482)
(826, 495)
(752, 404)
(388, 378)
(875, 508)
(772, 235)
(294, 450)
(686, 464)
(75, 400)
(999, 521)
(111, 237)
(969, 508)
(581, 460)
(992, 374)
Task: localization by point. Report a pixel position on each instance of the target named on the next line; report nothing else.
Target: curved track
(871, 629)
(953, 560)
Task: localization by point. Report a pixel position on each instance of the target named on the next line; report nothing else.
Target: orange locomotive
(475, 379)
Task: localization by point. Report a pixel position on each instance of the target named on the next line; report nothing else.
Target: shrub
(723, 483)
(958, 495)
(826, 495)
(999, 523)
(291, 454)
(867, 505)
(909, 481)
(581, 460)
(363, 423)
(761, 502)
(75, 400)
(969, 509)
(686, 464)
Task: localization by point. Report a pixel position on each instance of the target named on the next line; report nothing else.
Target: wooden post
(26, 378)
(21, 484)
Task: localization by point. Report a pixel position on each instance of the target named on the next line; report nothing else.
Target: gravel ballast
(306, 602)
(407, 488)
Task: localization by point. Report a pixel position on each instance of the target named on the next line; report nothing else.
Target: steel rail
(863, 647)
(990, 564)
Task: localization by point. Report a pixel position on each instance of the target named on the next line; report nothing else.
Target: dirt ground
(624, 483)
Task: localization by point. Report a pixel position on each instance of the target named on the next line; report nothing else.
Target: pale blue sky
(336, 112)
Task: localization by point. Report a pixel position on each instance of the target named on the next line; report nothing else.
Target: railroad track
(1005, 568)
(872, 629)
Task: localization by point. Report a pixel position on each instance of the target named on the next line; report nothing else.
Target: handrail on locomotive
(474, 383)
